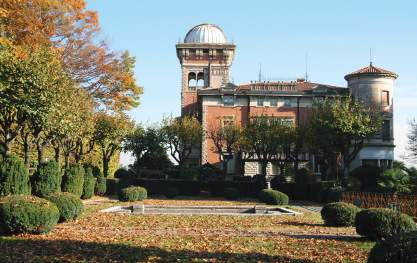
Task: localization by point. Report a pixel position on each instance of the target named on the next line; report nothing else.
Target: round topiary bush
(231, 193)
(27, 214)
(47, 179)
(397, 249)
(171, 192)
(89, 184)
(368, 176)
(122, 173)
(380, 223)
(69, 205)
(273, 197)
(339, 214)
(14, 177)
(101, 186)
(73, 180)
(133, 193)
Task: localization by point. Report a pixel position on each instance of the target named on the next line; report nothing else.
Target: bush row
(374, 223)
(31, 214)
(318, 191)
(48, 179)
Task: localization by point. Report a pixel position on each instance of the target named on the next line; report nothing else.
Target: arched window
(192, 81)
(200, 79)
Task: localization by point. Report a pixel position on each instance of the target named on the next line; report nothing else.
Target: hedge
(112, 186)
(171, 192)
(317, 191)
(14, 177)
(244, 188)
(161, 187)
(397, 249)
(339, 214)
(380, 223)
(231, 193)
(27, 214)
(73, 180)
(133, 193)
(89, 184)
(69, 205)
(47, 179)
(273, 197)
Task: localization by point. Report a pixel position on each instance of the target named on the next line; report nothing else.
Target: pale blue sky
(337, 36)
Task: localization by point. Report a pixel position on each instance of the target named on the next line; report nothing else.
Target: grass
(102, 237)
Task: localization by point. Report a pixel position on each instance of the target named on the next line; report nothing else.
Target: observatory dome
(205, 34)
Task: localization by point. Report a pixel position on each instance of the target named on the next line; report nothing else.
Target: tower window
(385, 98)
(386, 130)
(274, 102)
(228, 100)
(287, 102)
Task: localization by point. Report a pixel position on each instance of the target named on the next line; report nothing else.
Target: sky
(336, 35)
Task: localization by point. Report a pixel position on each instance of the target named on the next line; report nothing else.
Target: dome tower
(375, 88)
(205, 56)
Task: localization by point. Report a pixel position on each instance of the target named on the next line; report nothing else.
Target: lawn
(100, 237)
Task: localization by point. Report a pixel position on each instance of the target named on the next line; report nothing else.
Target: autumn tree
(73, 31)
(30, 83)
(110, 132)
(225, 139)
(340, 126)
(267, 139)
(183, 135)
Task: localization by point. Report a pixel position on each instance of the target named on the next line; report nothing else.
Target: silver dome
(206, 34)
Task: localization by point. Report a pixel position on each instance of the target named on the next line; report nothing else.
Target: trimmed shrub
(397, 249)
(121, 173)
(273, 197)
(231, 193)
(101, 186)
(14, 177)
(27, 214)
(189, 174)
(69, 205)
(133, 193)
(73, 180)
(89, 184)
(112, 186)
(47, 179)
(381, 223)
(339, 214)
(171, 192)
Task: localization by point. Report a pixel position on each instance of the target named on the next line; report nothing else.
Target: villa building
(206, 56)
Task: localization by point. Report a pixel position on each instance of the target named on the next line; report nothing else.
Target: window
(287, 102)
(228, 121)
(385, 164)
(274, 102)
(228, 100)
(260, 102)
(385, 98)
(386, 130)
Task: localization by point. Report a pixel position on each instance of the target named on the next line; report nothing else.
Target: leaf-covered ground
(104, 237)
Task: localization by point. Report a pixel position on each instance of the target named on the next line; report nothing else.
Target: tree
(340, 126)
(30, 83)
(268, 139)
(148, 147)
(225, 140)
(182, 135)
(412, 140)
(110, 132)
(74, 32)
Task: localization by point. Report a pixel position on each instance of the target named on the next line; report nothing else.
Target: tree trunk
(26, 153)
(66, 160)
(57, 153)
(105, 166)
(39, 147)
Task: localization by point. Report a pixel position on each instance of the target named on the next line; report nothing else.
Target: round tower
(375, 88)
(205, 56)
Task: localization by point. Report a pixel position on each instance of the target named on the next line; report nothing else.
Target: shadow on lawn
(25, 250)
(299, 224)
(326, 237)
